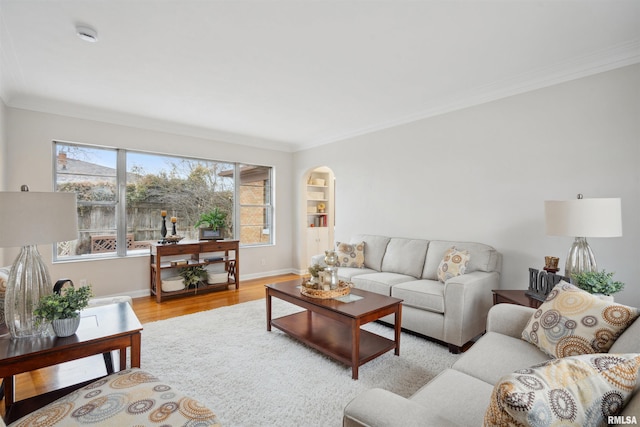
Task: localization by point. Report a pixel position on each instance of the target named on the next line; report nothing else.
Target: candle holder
(163, 229)
(173, 221)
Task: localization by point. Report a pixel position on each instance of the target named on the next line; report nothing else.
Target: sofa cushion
(483, 257)
(444, 394)
(350, 254)
(453, 264)
(571, 391)
(495, 354)
(374, 248)
(380, 283)
(126, 398)
(572, 321)
(348, 273)
(405, 256)
(424, 294)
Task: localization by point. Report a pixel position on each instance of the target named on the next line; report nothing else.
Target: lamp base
(580, 258)
(28, 281)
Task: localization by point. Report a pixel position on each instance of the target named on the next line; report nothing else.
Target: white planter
(65, 327)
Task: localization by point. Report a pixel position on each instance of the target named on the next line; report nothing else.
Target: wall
(3, 152)
(29, 161)
(483, 173)
(3, 144)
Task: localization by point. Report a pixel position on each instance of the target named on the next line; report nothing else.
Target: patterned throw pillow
(350, 254)
(572, 322)
(454, 263)
(573, 391)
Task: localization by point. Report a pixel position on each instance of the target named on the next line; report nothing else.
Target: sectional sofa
(453, 311)
(461, 396)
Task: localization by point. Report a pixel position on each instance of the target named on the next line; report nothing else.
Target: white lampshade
(583, 217)
(30, 218)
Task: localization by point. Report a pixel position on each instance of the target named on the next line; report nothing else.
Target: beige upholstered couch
(460, 396)
(453, 311)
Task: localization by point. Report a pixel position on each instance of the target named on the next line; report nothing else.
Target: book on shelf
(179, 262)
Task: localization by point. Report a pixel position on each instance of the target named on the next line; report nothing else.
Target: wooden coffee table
(333, 327)
(102, 329)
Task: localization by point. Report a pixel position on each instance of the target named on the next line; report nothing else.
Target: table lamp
(582, 218)
(31, 218)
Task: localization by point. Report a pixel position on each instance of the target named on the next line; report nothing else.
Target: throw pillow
(572, 322)
(573, 391)
(350, 254)
(454, 263)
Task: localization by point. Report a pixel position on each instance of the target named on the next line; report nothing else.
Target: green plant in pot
(213, 222)
(63, 309)
(597, 282)
(193, 275)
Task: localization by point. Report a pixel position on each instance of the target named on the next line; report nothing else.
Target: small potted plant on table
(63, 309)
(598, 283)
(214, 222)
(193, 275)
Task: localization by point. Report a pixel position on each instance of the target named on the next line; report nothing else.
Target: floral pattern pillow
(572, 322)
(454, 263)
(570, 392)
(350, 254)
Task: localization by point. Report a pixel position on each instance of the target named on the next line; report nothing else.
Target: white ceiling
(287, 75)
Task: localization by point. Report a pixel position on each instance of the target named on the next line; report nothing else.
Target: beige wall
(482, 174)
(29, 161)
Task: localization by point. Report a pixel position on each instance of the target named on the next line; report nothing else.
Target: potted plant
(193, 275)
(214, 222)
(597, 282)
(63, 309)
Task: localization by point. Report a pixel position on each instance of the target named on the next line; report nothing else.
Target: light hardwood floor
(147, 310)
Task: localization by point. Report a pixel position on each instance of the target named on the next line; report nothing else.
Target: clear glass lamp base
(580, 258)
(29, 280)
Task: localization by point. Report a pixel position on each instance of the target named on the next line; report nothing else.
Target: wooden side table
(514, 296)
(102, 329)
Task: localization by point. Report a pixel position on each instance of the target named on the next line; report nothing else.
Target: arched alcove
(318, 212)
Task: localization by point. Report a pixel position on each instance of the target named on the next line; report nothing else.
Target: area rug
(250, 377)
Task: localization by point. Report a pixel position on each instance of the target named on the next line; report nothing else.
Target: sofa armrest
(467, 300)
(509, 319)
(378, 407)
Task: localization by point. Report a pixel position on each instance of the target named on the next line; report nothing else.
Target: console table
(202, 252)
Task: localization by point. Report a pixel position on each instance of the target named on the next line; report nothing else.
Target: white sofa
(453, 312)
(460, 396)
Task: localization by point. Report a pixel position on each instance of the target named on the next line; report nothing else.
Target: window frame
(120, 203)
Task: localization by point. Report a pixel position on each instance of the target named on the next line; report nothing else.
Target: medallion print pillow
(454, 263)
(570, 392)
(572, 322)
(350, 254)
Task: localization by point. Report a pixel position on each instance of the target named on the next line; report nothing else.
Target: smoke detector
(87, 34)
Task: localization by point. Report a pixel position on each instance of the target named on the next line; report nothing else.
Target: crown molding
(575, 68)
(61, 108)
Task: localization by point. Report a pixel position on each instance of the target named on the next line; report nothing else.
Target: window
(121, 195)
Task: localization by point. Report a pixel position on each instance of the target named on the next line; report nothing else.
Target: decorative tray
(309, 290)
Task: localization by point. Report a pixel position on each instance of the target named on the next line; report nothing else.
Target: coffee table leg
(268, 298)
(398, 328)
(355, 349)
